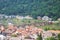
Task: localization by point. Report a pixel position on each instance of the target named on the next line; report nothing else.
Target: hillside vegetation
(33, 8)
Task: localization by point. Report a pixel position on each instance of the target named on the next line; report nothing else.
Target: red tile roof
(54, 31)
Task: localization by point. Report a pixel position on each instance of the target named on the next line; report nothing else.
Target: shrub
(58, 36)
(47, 28)
(50, 38)
(39, 37)
(14, 35)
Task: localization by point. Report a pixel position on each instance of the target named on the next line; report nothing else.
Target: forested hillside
(31, 7)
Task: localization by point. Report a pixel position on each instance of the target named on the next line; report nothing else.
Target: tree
(39, 37)
(58, 36)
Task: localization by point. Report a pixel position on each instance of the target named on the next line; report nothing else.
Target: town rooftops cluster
(27, 31)
(11, 29)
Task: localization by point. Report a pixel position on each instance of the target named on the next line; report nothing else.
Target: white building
(46, 18)
(39, 18)
(19, 17)
(58, 19)
(1, 16)
(28, 17)
(2, 37)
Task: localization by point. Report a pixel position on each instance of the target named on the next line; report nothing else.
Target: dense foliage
(39, 37)
(51, 38)
(58, 36)
(31, 7)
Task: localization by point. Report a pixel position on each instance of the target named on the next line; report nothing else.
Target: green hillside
(33, 8)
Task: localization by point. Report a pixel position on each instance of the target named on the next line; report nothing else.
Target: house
(39, 18)
(6, 16)
(54, 31)
(19, 17)
(40, 31)
(1, 16)
(34, 36)
(28, 17)
(2, 37)
(58, 19)
(46, 34)
(45, 18)
(10, 25)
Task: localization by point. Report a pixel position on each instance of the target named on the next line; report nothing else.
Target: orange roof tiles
(54, 31)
